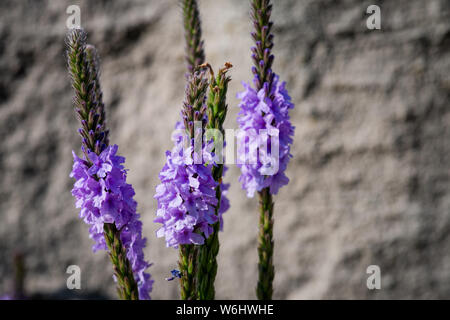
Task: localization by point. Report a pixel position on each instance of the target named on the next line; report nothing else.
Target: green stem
(126, 285)
(209, 251)
(19, 276)
(266, 270)
(217, 110)
(188, 267)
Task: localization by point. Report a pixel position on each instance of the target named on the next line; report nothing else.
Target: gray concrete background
(370, 176)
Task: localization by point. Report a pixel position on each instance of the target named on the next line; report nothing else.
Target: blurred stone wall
(370, 174)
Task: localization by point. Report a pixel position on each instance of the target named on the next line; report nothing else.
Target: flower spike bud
(193, 34)
(194, 108)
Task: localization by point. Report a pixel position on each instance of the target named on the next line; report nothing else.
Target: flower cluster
(186, 196)
(264, 110)
(177, 138)
(103, 196)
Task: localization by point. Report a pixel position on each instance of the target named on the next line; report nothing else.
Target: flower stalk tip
(194, 47)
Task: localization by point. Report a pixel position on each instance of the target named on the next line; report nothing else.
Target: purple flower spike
(187, 196)
(103, 196)
(186, 199)
(263, 110)
(264, 118)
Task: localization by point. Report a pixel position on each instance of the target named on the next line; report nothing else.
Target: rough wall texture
(370, 176)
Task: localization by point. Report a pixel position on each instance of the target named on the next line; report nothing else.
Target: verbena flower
(186, 197)
(224, 201)
(103, 196)
(264, 110)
